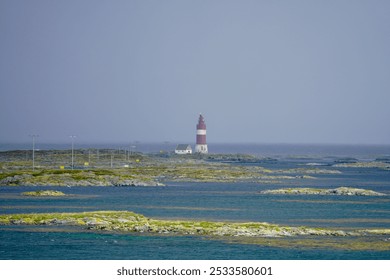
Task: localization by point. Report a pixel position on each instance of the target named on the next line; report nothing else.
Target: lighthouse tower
(201, 145)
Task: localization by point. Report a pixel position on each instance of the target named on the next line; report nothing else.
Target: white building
(183, 149)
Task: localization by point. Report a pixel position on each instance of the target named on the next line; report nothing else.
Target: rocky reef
(315, 191)
(362, 164)
(125, 221)
(44, 193)
(132, 222)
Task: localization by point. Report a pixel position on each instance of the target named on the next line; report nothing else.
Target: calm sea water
(208, 201)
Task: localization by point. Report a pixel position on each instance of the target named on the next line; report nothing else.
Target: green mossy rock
(44, 193)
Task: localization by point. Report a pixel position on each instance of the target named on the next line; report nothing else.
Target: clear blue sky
(260, 71)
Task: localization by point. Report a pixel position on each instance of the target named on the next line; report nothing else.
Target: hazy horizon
(26, 145)
(283, 72)
(127, 143)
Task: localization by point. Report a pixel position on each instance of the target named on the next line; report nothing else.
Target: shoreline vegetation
(105, 167)
(259, 233)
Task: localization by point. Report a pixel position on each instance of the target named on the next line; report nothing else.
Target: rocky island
(239, 232)
(44, 193)
(125, 221)
(315, 191)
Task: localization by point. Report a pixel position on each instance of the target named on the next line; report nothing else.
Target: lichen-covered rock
(132, 222)
(15, 180)
(44, 193)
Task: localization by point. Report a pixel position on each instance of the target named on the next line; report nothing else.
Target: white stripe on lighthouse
(201, 132)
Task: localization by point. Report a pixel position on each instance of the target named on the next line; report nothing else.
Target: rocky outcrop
(361, 164)
(15, 180)
(131, 222)
(313, 191)
(44, 193)
(75, 180)
(136, 183)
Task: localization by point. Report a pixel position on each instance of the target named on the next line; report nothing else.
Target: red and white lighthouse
(201, 145)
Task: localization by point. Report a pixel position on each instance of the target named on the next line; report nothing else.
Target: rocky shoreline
(313, 191)
(124, 221)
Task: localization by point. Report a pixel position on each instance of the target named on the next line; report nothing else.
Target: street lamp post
(72, 137)
(33, 149)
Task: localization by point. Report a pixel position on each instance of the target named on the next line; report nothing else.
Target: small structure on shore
(183, 149)
(201, 145)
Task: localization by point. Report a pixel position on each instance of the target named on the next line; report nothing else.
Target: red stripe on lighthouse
(201, 139)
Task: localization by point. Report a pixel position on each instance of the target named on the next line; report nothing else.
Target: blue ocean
(212, 201)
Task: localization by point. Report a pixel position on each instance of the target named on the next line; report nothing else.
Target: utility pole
(33, 149)
(72, 137)
(133, 149)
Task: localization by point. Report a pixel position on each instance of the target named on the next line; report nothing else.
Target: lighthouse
(201, 145)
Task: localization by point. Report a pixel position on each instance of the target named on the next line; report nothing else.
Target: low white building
(183, 149)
